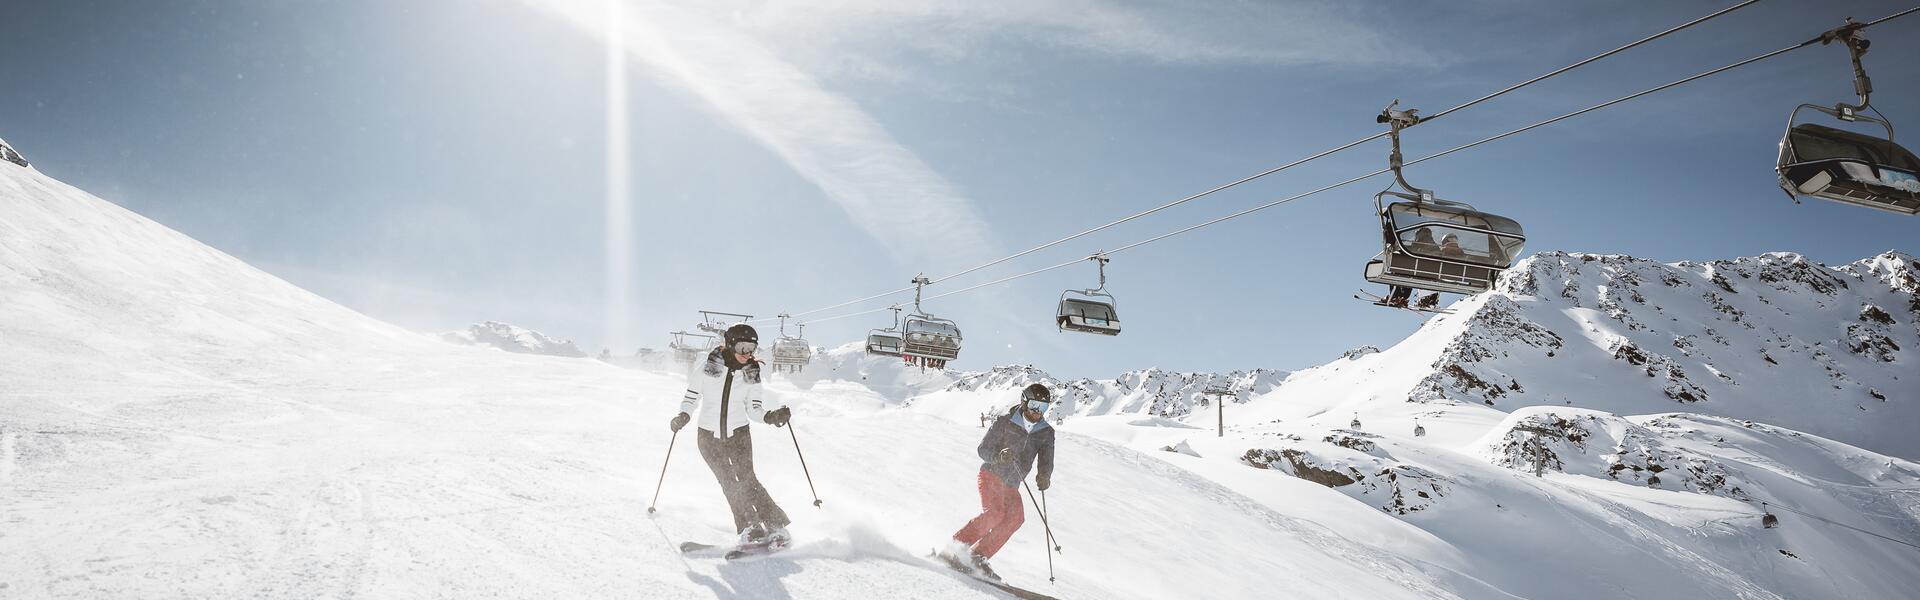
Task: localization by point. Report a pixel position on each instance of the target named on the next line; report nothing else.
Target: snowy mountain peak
(1153, 392)
(514, 339)
(9, 154)
(1777, 338)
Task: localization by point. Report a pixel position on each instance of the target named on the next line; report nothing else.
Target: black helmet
(1036, 391)
(741, 332)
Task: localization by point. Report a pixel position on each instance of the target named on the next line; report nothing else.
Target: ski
(754, 549)
(1017, 592)
(1382, 301)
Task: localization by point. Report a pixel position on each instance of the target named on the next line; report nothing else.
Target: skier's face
(1035, 410)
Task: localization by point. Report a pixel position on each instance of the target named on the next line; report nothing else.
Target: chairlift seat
(1443, 246)
(689, 347)
(792, 352)
(930, 337)
(1850, 168)
(1091, 312)
(883, 342)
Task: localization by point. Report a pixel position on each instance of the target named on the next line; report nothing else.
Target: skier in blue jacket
(1011, 448)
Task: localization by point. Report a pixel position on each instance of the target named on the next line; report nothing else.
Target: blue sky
(436, 162)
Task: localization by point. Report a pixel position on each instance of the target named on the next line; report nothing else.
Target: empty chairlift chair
(1089, 311)
(886, 342)
(1846, 166)
(1433, 244)
(1849, 167)
(689, 347)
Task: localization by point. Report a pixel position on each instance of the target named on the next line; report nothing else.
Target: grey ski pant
(731, 460)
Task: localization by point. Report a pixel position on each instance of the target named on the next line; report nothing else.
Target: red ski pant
(1000, 515)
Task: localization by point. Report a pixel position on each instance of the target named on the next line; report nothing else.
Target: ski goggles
(1038, 405)
(745, 347)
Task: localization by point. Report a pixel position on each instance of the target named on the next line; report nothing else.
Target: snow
(175, 423)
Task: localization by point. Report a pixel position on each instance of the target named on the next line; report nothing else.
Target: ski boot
(984, 570)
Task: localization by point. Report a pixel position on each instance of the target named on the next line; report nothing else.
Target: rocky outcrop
(1598, 444)
(1153, 392)
(7, 153)
(520, 340)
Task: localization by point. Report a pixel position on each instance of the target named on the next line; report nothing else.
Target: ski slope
(175, 423)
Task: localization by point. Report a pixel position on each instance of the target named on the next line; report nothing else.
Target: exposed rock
(514, 339)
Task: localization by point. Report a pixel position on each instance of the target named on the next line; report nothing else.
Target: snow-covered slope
(1596, 427)
(502, 336)
(174, 423)
(93, 297)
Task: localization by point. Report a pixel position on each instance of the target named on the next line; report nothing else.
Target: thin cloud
(884, 188)
(1177, 32)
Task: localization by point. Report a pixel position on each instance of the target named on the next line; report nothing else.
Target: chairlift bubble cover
(1849, 167)
(1485, 239)
(930, 337)
(1088, 314)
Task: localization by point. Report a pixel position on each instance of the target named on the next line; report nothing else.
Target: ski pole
(803, 464)
(663, 471)
(1044, 524)
(1043, 510)
(1041, 507)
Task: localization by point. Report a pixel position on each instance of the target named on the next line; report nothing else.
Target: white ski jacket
(720, 394)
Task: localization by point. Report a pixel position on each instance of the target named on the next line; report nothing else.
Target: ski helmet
(1036, 392)
(741, 332)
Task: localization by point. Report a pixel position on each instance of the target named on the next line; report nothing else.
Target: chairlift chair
(1418, 431)
(1092, 310)
(1434, 244)
(716, 322)
(689, 347)
(1846, 166)
(886, 342)
(791, 353)
(1767, 520)
(927, 340)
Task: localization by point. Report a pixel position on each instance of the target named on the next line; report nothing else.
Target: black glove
(1004, 456)
(1043, 482)
(778, 417)
(679, 420)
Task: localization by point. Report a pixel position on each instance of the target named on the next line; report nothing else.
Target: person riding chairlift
(1450, 246)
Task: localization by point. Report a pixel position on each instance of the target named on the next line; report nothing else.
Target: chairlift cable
(1508, 134)
(1839, 524)
(1351, 144)
(1298, 162)
(1384, 171)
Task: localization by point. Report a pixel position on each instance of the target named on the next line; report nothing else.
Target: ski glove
(679, 420)
(778, 417)
(1004, 456)
(1043, 482)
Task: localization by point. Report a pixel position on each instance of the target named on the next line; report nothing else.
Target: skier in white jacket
(725, 390)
